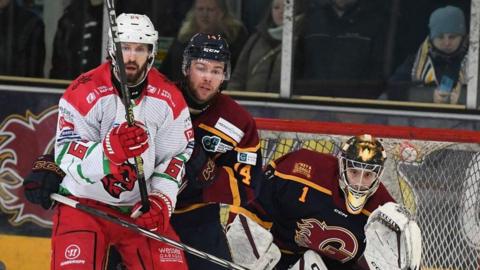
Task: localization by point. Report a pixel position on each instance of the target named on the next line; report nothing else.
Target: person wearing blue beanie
(440, 62)
(447, 28)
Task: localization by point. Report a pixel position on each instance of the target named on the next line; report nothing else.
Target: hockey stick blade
(75, 204)
(120, 67)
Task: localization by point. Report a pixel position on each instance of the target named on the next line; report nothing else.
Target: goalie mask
(135, 28)
(361, 165)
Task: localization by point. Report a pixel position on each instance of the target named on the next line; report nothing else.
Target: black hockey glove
(44, 180)
(200, 170)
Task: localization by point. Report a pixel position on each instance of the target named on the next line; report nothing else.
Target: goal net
(435, 173)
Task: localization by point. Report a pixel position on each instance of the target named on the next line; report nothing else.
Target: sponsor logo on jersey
(22, 139)
(214, 144)
(103, 89)
(170, 254)
(229, 129)
(303, 169)
(189, 134)
(247, 158)
(91, 97)
(335, 242)
(68, 135)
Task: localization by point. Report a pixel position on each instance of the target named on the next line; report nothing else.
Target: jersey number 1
(304, 194)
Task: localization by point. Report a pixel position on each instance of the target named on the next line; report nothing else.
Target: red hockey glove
(123, 142)
(157, 218)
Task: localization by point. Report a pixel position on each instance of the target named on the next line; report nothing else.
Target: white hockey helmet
(135, 28)
(362, 157)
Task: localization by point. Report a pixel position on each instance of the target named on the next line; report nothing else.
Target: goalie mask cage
(435, 173)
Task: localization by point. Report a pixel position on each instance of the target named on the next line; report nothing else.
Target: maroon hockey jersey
(228, 134)
(301, 196)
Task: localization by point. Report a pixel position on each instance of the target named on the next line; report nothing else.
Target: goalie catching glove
(251, 245)
(394, 240)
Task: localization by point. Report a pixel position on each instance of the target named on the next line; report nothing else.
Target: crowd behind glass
(406, 50)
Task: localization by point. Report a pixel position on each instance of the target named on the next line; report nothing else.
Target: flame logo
(335, 242)
(22, 140)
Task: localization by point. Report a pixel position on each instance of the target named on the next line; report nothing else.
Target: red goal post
(433, 172)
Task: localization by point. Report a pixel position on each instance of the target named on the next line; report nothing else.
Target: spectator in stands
(165, 15)
(22, 45)
(210, 17)
(259, 63)
(440, 62)
(78, 40)
(343, 42)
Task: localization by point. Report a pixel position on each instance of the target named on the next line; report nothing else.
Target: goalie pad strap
(243, 220)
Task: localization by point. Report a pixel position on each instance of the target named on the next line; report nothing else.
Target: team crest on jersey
(123, 180)
(214, 144)
(335, 242)
(303, 169)
(22, 140)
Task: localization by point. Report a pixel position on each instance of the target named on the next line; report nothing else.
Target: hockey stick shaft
(120, 66)
(75, 204)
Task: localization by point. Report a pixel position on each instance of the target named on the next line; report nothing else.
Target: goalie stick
(75, 204)
(112, 19)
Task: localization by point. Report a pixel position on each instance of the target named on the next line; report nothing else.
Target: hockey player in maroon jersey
(321, 203)
(226, 158)
(95, 148)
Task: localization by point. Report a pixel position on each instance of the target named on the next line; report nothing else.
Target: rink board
(25, 253)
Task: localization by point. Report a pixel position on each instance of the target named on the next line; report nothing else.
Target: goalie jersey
(301, 196)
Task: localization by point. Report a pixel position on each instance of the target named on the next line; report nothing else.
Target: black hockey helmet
(209, 47)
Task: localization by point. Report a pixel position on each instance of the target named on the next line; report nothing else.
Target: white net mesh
(438, 181)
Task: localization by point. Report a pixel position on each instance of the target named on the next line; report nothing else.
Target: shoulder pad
(86, 90)
(161, 88)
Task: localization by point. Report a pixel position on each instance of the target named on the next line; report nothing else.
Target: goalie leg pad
(251, 245)
(394, 239)
(310, 261)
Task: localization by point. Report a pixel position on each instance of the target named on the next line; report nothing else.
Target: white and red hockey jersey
(90, 107)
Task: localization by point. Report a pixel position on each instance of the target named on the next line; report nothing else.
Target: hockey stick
(112, 18)
(75, 204)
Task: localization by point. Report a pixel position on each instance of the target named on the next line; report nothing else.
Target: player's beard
(135, 78)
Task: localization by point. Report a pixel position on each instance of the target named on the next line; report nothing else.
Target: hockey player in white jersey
(95, 148)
